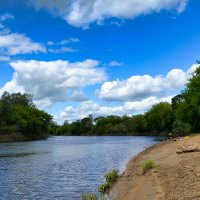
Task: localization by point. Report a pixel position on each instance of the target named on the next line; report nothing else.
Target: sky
(99, 57)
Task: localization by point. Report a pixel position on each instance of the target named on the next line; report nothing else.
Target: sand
(176, 176)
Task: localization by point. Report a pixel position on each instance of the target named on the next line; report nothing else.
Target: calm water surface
(63, 168)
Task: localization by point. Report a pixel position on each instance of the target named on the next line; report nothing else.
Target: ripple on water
(63, 168)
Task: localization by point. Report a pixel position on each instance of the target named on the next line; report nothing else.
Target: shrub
(149, 164)
(111, 177)
(89, 197)
(180, 128)
(104, 188)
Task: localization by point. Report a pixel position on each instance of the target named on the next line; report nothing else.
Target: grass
(89, 197)
(111, 178)
(104, 188)
(148, 165)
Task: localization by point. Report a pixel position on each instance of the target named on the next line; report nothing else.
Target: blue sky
(107, 57)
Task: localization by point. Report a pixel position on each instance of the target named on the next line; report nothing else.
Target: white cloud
(49, 82)
(4, 58)
(64, 42)
(57, 47)
(62, 50)
(70, 40)
(43, 103)
(50, 43)
(14, 43)
(6, 16)
(114, 63)
(78, 96)
(140, 87)
(81, 13)
(90, 107)
(145, 104)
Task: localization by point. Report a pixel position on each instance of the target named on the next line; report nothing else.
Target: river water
(63, 168)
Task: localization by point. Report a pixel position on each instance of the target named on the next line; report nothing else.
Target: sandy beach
(176, 176)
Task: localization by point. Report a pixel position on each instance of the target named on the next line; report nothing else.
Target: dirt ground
(176, 176)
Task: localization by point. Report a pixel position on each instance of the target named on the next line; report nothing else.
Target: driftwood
(189, 148)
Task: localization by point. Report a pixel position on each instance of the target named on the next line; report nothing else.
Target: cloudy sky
(100, 57)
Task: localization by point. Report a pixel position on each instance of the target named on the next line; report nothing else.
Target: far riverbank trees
(181, 117)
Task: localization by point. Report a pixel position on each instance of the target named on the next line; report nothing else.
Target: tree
(180, 128)
(17, 110)
(160, 118)
(188, 110)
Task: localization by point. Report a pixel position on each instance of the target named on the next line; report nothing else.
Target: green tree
(17, 110)
(188, 109)
(160, 118)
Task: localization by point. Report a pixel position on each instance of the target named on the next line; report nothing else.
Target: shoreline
(176, 176)
(18, 137)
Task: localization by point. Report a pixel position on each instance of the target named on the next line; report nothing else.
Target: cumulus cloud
(16, 43)
(140, 87)
(78, 96)
(49, 82)
(90, 107)
(145, 104)
(81, 13)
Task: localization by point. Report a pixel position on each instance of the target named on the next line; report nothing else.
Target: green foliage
(19, 114)
(111, 177)
(89, 197)
(180, 128)
(176, 101)
(160, 117)
(188, 108)
(104, 188)
(147, 165)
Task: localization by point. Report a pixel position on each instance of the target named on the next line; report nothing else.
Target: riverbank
(176, 176)
(18, 137)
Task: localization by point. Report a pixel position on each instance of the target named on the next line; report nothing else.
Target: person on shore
(170, 136)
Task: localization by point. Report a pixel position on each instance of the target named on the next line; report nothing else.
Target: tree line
(181, 117)
(20, 117)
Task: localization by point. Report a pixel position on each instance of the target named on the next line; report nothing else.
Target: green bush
(89, 197)
(147, 165)
(104, 188)
(180, 128)
(111, 177)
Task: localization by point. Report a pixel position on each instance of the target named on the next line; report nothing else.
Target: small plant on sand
(89, 197)
(148, 164)
(104, 188)
(110, 177)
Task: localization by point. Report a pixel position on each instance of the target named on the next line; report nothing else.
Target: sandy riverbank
(176, 177)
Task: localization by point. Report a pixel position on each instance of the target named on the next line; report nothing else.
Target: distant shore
(176, 176)
(17, 137)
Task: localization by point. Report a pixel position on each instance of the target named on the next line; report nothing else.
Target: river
(63, 168)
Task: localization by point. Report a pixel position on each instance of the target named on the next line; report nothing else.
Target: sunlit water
(63, 168)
